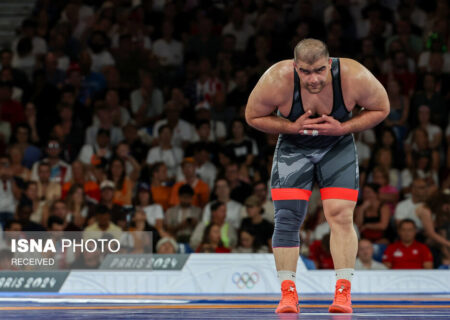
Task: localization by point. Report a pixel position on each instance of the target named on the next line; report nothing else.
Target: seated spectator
(107, 190)
(407, 208)
(201, 189)
(147, 102)
(30, 195)
(211, 241)
(137, 148)
(247, 243)
(47, 190)
(434, 214)
(166, 152)
(239, 190)
(159, 185)
(23, 214)
(227, 233)
(222, 193)
(407, 253)
(9, 191)
(261, 228)
(399, 112)
(105, 119)
(77, 206)
(182, 131)
(120, 115)
(217, 132)
(60, 171)
(260, 190)
(102, 225)
(132, 167)
(181, 220)
(421, 161)
(166, 245)
(81, 176)
(365, 261)
(144, 237)
(154, 212)
(101, 57)
(384, 162)
(244, 149)
(372, 216)
(205, 169)
(434, 132)
(101, 149)
(387, 193)
(123, 184)
(19, 171)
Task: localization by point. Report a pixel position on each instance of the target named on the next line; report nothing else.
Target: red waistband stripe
(339, 193)
(290, 194)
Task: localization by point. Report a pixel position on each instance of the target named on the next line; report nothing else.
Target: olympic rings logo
(245, 280)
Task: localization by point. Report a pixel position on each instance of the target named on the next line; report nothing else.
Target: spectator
(243, 148)
(8, 191)
(10, 111)
(101, 57)
(159, 184)
(104, 115)
(60, 171)
(182, 131)
(217, 131)
(181, 219)
(154, 212)
(261, 192)
(262, 229)
(365, 261)
(211, 241)
(166, 152)
(102, 225)
(77, 206)
(201, 189)
(319, 252)
(205, 169)
(82, 177)
(19, 171)
(47, 190)
(239, 190)
(123, 184)
(372, 216)
(146, 102)
(407, 253)
(227, 233)
(168, 50)
(233, 208)
(166, 245)
(247, 243)
(399, 113)
(90, 153)
(238, 27)
(407, 208)
(144, 237)
(433, 131)
(23, 214)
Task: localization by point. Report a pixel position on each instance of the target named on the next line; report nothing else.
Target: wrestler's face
(314, 77)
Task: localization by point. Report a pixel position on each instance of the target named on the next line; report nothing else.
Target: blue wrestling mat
(51, 306)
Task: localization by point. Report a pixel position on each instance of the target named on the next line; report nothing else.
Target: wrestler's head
(313, 64)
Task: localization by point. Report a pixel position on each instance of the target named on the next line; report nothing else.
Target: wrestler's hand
(325, 125)
(298, 124)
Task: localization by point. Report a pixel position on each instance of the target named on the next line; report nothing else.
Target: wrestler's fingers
(313, 121)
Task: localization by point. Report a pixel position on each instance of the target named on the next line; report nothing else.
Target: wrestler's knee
(339, 213)
(288, 220)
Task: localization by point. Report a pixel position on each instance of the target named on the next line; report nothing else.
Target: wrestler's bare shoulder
(278, 75)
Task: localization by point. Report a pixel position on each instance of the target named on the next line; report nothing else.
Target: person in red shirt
(408, 253)
(10, 111)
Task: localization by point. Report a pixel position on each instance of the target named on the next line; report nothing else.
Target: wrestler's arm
(370, 94)
(268, 94)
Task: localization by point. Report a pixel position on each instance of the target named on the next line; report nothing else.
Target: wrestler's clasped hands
(324, 125)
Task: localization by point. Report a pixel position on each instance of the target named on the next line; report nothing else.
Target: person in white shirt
(105, 121)
(100, 149)
(364, 261)
(60, 171)
(433, 131)
(165, 152)
(147, 102)
(7, 189)
(406, 209)
(168, 50)
(234, 208)
(217, 132)
(237, 27)
(182, 131)
(100, 55)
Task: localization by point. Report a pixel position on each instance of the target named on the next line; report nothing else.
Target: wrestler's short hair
(310, 50)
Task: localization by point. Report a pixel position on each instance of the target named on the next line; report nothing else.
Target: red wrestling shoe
(289, 298)
(342, 302)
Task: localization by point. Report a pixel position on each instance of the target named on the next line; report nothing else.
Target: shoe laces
(341, 295)
(289, 295)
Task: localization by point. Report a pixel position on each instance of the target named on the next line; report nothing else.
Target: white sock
(346, 274)
(286, 275)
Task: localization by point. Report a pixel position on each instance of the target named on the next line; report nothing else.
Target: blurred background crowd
(128, 115)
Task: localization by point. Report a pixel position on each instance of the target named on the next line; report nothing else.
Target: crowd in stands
(128, 115)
